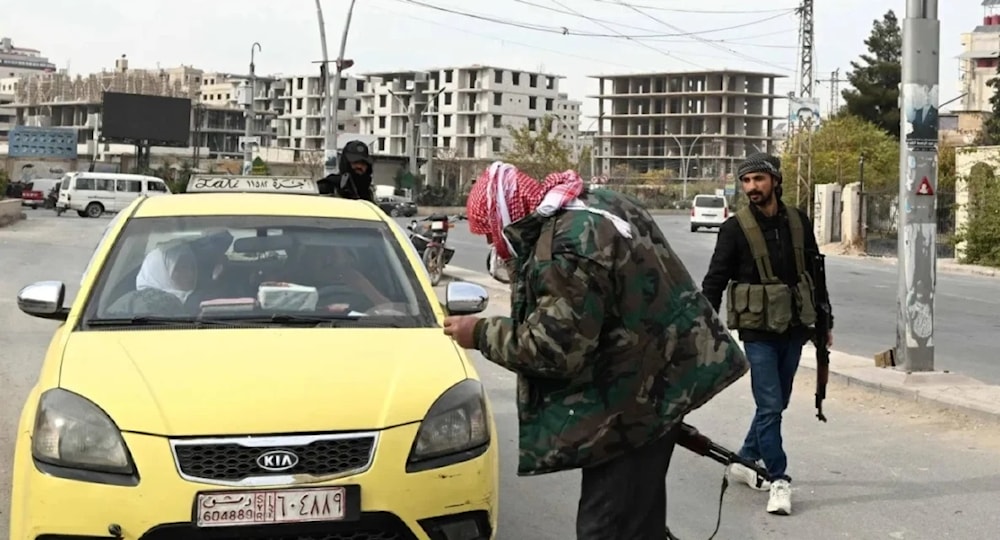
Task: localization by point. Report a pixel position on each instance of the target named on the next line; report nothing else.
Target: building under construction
(59, 100)
(697, 124)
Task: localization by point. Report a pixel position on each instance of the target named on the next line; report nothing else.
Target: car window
(709, 202)
(260, 267)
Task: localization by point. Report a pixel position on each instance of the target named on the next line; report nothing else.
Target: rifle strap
(718, 518)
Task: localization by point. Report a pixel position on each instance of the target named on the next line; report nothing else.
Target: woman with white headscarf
(166, 279)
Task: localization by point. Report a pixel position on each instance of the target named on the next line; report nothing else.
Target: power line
(705, 11)
(598, 22)
(562, 30)
(570, 11)
(708, 42)
(505, 40)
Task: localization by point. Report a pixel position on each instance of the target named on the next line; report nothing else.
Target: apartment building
(468, 109)
(977, 66)
(698, 124)
(16, 63)
(302, 123)
(58, 100)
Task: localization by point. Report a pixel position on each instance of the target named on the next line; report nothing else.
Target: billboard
(133, 118)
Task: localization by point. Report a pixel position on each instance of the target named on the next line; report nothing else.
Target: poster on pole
(920, 107)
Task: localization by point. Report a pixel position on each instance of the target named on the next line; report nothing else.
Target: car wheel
(394, 212)
(94, 210)
(694, 228)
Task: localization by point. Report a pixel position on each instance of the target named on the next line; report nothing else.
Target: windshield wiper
(315, 320)
(153, 320)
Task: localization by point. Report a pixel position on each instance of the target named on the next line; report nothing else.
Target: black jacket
(348, 184)
(733, 261)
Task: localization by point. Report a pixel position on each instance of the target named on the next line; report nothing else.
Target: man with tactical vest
(763, 264)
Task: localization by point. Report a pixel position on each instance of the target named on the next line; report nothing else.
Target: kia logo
(277, 460)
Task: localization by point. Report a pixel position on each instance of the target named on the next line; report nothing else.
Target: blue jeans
(772, 370)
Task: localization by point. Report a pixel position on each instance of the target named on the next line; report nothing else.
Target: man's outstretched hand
(462, 328)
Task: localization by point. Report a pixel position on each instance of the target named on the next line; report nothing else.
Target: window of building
(299, 83)
(516, 77)
(548, 104)
(360, 85)
(497, 98)
(381, 122)
(496, 144)
(550, 83)
(382, 100)
(497, 121)
(447, 120)
(343, 84)
(298, 123)
(298, 104)
(532, 102)
(447, 98)
(446, 142)
(381, 144)
(341, 104)
(533, 81)
(498, 76)
(532, 124)
(448, 75)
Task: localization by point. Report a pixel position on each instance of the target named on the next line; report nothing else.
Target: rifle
(824, 323)
(689, 437)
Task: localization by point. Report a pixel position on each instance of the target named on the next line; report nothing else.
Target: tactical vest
(772, 306)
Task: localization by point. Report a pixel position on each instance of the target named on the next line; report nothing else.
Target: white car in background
(708, 211)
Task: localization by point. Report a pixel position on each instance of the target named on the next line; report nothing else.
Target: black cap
(356, 151)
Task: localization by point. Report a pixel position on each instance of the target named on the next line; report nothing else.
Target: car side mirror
(44, 299)
(465, 298)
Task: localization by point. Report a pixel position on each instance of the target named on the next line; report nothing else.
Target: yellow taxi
(254, 364)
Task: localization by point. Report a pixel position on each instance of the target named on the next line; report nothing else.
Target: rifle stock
(824, 322)
(694, 441)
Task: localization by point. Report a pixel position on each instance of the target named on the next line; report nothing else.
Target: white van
(93, 193)
(708, 211)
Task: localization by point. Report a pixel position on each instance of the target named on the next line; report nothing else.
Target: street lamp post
(248, 122)
(685, 160)
(332, 102)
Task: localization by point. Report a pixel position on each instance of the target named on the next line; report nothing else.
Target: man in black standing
(353, 180)
(763, 263)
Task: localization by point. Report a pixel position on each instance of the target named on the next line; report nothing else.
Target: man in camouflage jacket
(610, 338)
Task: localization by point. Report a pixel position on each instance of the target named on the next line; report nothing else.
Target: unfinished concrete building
(697, 124)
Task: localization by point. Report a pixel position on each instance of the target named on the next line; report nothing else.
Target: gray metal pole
(332, 102)
(918, 187)
(247, 131)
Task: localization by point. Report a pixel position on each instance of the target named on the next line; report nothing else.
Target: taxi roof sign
(294, 185)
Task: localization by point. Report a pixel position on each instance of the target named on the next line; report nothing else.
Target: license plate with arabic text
(235, 508)
(437, 225)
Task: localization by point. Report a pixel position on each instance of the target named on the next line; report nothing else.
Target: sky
(573, 38)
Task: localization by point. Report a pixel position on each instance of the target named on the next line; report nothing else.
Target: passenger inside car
(327, 267)
(168, 275)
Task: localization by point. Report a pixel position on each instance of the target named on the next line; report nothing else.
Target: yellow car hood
(249, 381)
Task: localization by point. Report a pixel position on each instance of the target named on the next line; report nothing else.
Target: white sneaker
(748, 476)
(781, 498)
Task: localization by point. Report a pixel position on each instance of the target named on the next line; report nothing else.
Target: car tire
(94, 210)
(694, 228)
(394, 212)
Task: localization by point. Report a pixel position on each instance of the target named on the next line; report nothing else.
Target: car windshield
(709, 202)
(257, 270)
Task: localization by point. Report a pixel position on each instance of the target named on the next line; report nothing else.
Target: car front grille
(233, 461)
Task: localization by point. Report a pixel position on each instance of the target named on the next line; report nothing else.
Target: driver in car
(335, 265)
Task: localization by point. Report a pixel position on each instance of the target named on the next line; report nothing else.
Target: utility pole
(330, 165)
(918, 171)
(248, 100)
(834, 81)
(807, 84)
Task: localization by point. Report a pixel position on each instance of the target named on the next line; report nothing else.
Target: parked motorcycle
(430, 236)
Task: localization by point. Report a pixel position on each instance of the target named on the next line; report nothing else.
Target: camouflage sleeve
(558, 338)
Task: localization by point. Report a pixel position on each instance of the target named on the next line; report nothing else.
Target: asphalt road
(864, 300)
(880, 469)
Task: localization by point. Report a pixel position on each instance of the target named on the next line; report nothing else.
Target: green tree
(3, 183)
(837, 145)
(981, 231)
(876, 78)
(990, 134)
(538, 153)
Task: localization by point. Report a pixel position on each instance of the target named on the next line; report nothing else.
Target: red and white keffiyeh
(503, 195)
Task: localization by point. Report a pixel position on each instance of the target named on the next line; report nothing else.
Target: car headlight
(457, 422)
(73, 432)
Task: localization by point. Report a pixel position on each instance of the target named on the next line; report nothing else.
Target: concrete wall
(827, 214)
(10, 211)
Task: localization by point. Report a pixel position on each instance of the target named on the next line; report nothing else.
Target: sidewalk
(945, 390)
(949, 266)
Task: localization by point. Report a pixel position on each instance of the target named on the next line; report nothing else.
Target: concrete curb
(946, 268)
(945, 390)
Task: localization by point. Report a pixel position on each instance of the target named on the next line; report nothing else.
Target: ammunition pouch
(767, 307)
